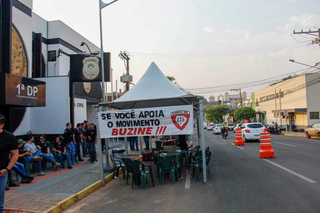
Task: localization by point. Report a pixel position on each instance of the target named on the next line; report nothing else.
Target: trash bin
(158, 144)
(118, 153)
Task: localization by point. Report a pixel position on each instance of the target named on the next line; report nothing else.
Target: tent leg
(126, 145)
(202, 141)
(140, 140)
(107, 168)
(100, 156)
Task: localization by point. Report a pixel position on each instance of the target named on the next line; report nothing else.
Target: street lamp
(315, 66)
(91, 53)
(107, 168)
(101, 6)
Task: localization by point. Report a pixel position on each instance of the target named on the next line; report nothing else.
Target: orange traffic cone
(239, 140)
(266, 150)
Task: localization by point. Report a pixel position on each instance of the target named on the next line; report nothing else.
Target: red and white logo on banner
(180, 118)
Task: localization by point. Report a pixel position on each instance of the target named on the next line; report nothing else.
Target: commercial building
(40, 52)
(212, 99)
(294, 104)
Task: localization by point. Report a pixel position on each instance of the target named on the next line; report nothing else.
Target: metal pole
(126, 145)
(141, 144)
(111, 84)
(116, 89)
(202, 141)
(101, 52)
(100, 153)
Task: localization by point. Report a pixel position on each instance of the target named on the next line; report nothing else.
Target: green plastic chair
(199, 165)
(139, 172)
(166, 165)
(128, 163)
(117, 164)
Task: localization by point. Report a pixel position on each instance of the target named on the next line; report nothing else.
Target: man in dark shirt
(70, 141)
(83, 140)
(77, 137)
(92, 140)
(8, 146)
(45, 152)
(61, 152)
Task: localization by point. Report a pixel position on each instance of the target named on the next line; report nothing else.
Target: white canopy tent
(155, 90)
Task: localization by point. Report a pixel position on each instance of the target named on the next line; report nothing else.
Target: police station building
(36, 57)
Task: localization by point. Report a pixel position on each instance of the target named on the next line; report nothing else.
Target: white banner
(173, 120)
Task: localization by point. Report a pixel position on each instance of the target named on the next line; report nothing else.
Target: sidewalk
(295, 134)
(45, 191)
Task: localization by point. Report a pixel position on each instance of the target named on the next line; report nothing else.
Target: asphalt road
(240, 182)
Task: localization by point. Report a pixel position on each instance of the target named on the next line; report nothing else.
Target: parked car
(251, 131)
(217, 129)
(313, 131)
(210, 127)
(230, 127)
(237, 126)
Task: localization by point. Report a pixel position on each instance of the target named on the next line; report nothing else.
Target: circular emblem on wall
(87, 87)
(90, 68)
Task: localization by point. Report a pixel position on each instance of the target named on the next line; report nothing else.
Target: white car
(236, 127)
(210, 127)
(251, 131)
(217, 129)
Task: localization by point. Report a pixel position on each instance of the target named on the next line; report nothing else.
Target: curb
(293, 135)
(64, 204)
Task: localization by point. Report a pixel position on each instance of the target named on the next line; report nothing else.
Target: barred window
(314, 115)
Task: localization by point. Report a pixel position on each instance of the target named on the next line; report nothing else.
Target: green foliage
(171, 78)
(244, 113)
(215, 113)
(284, 79)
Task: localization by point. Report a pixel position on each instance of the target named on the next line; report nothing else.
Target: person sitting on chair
(61, 152)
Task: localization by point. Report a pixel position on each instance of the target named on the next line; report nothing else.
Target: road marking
(187, 184)
(222, 139)
(237, 146)
(290, 171)
(214, 135)
(284, 144)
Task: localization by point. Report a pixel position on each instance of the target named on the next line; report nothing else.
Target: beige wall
(290, 99)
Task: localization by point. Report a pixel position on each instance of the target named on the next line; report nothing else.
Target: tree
(244, 113)
(171, 78)
(215, 113)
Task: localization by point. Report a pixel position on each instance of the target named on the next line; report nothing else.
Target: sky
(202, 43)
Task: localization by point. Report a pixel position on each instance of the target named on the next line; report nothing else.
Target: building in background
(294, 104)
(40, 51)
(212, 99)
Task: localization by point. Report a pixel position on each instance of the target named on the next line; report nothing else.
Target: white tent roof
(153, 89)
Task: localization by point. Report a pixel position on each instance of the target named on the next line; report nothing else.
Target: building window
(314, 115)
(19, 56)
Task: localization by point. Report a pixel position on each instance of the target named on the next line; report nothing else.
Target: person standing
(83, 140)
(146, 141)
(77, 138)
(92, 140)
(70, 141)
(135, 143)
(8, 146)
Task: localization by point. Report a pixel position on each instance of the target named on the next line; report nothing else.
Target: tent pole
(126, 145)
(198, 129)
(100, 155)
(140, 138)
(202, 141)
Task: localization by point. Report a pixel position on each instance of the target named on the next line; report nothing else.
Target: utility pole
(124, 56)
(310, 32)
(241, 104)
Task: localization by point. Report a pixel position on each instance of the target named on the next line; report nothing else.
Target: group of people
(84, 137)
(15, 154)
(134, 143)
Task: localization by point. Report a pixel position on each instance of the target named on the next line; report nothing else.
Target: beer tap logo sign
(180, 118)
